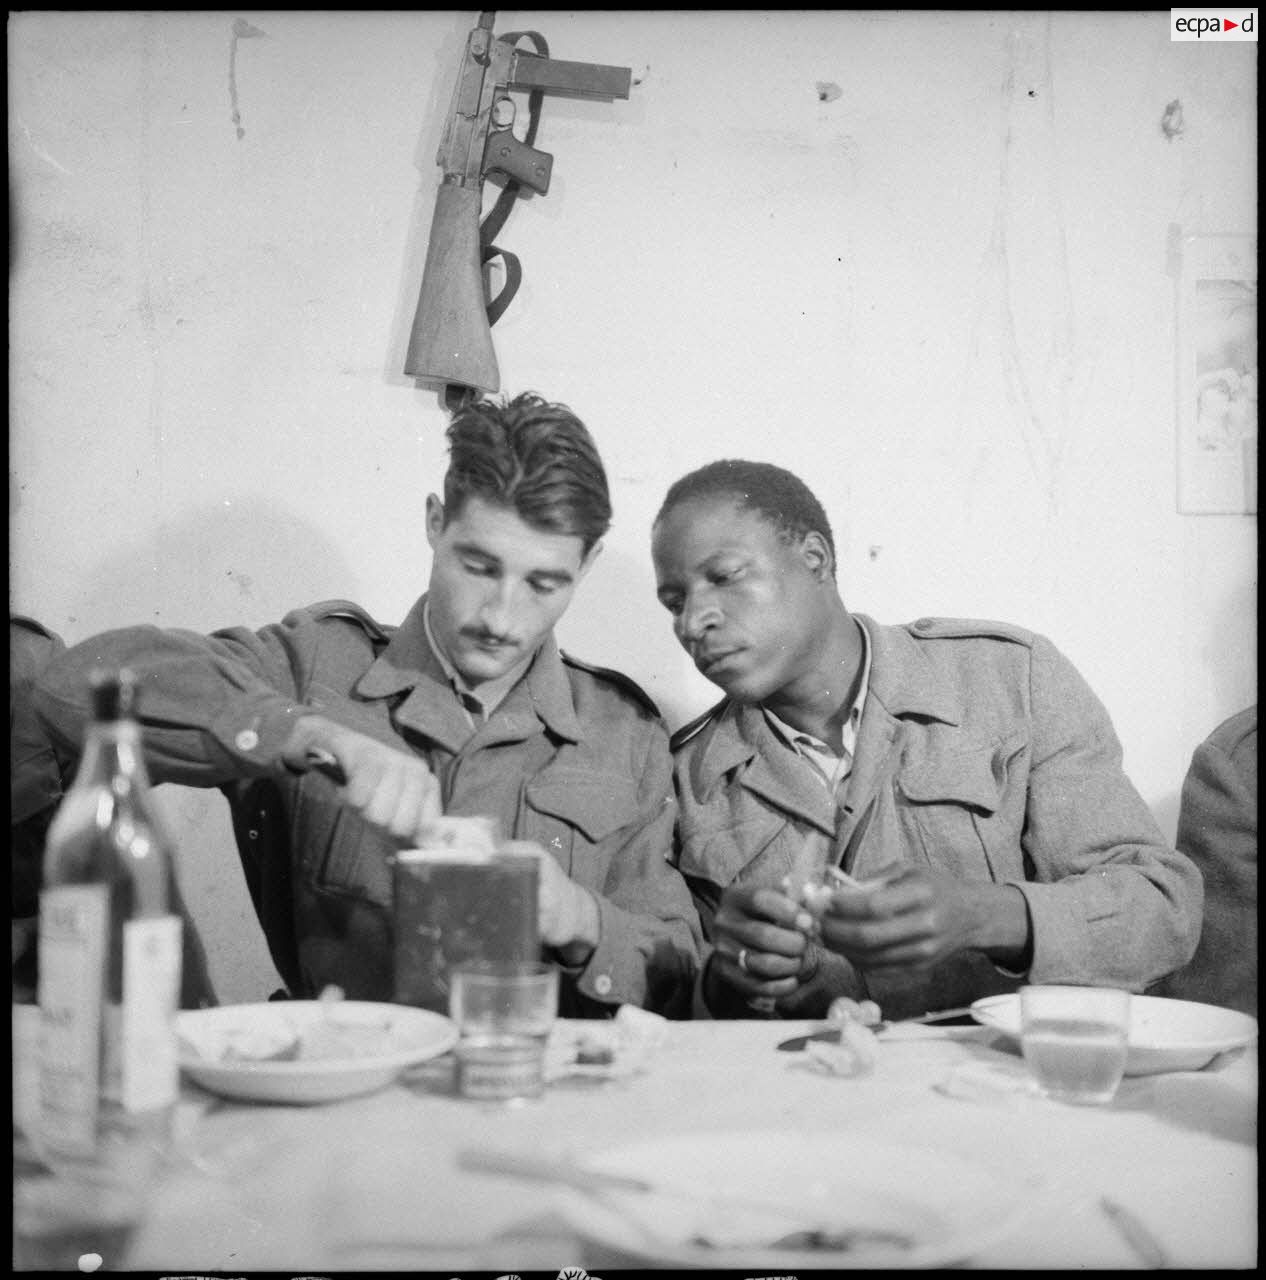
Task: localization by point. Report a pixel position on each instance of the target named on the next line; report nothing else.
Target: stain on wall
(1172, 123)
(242, 30)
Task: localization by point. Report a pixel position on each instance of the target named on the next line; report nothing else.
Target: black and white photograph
(633, 641)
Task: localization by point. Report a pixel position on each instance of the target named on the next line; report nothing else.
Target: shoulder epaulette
(30, 624)
(964, 628)
(1232, 733)
(695, 726)
(617, 678)
(345, 609)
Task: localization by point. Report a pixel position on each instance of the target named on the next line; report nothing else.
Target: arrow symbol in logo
(1228, 25)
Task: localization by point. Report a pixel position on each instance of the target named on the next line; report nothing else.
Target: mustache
(481, 635)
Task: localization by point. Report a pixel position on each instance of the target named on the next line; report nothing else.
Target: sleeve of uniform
(1217, 828)
(649, 941)
(213, 707)
(1110, 902)
(35, 775)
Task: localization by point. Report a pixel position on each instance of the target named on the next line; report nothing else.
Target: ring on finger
(742, 959)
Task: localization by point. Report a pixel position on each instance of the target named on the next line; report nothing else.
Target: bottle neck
(113, 756)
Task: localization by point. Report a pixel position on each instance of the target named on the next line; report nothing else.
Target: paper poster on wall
(1217, 376)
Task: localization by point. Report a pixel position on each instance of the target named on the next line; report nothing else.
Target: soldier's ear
(817, 555)
(587, 563)
(434, 518)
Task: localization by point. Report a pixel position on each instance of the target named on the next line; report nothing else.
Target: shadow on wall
(242, 561)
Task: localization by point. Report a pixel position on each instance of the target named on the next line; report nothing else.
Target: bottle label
(149, 1073)
(72, 946)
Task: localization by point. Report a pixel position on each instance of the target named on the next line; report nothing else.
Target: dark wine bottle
(109, 974)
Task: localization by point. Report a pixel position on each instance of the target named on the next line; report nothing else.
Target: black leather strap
(491, 226)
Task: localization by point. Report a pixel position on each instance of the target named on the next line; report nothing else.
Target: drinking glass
(504, 1014)
(1075, 1040)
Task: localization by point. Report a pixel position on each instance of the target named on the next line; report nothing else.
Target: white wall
(941, 296)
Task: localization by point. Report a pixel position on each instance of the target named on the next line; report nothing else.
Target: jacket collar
(408, 663)
(741, 736)
(902, 681)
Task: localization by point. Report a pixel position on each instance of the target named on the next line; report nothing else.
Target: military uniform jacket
(1217, 829)
(982, 753)
(574, 758)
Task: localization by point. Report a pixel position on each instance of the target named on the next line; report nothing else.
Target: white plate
(949, 1207)
(1165, 1035)
(400, 1036)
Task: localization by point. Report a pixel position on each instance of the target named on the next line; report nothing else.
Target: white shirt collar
(834, 767)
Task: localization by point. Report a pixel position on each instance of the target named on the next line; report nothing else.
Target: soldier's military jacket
(574, 758)
(982, 753)
(1217, 829)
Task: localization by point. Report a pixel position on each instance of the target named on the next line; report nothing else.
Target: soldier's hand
(392, 789)
(761, 942)
(567, 915)
(919, 917)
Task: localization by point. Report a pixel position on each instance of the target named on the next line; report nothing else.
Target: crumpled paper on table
(594, 1050)
(853, 1055)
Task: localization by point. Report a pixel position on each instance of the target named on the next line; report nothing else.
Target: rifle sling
(491, 226)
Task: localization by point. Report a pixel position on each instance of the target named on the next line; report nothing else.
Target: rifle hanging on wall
(450, 341)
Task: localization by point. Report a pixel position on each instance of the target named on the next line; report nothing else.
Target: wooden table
(371, 1183)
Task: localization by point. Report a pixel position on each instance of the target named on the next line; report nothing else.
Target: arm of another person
(35, 772)
(1217, 819)
(226, 706)
(1111, 903)
(1217, 828)
(35, 791)
(40, 775)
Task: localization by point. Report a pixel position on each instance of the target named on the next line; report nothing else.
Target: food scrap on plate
(326, 1038)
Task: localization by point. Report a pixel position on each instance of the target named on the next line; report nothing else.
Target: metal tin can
(457, 899)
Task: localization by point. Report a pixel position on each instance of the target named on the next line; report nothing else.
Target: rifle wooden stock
(450, 340)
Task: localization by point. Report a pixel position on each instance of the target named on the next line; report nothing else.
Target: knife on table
(831, 1035)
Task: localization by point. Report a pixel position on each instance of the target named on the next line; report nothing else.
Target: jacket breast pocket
(571, 812)
(953, 802)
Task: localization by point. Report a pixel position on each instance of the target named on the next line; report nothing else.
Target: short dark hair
(533, 456)
(773, 493)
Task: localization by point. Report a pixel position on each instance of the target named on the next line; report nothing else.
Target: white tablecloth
(371, 1183)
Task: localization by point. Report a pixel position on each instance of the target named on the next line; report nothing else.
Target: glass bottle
(109, 980)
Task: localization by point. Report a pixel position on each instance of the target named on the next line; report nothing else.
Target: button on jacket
(574, 758)
(982, 753)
